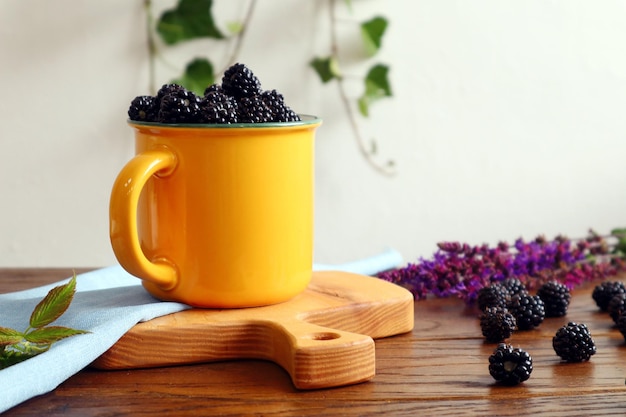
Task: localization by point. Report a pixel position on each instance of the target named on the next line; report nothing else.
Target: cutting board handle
(314, 356)
(320, 357)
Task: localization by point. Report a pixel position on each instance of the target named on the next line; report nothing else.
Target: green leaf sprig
(16, 346)
(620, 247)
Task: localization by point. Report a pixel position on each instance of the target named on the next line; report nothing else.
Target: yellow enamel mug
(217, 216)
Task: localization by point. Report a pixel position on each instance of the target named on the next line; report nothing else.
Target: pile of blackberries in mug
(239, 98)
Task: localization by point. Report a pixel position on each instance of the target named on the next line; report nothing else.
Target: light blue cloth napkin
(108, 303)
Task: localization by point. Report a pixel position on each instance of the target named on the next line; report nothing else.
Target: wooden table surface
(438, 369)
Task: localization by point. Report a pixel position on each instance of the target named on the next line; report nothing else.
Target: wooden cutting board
(322, 337)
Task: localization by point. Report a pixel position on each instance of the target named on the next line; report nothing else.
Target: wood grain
(438, 369)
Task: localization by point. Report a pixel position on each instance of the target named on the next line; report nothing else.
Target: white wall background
(507, 119)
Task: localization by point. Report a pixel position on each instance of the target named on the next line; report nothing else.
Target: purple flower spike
(461, 269)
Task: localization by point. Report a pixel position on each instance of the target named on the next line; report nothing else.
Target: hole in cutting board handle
(322, 336)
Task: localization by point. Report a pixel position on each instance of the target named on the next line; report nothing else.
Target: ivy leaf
(372, 32)
(53, 304)
(197, 77)
(51, 334)
(190, 19)
(376, 87)
(9, 336)
(326, 68)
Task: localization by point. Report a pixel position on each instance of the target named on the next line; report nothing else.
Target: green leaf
(53, 305)
(10, 336)
(620, 234)
(198, 76)
(51, 334)
(190, 19)
(9, 358)
(376, 87)
(372, 32)
(326, 68)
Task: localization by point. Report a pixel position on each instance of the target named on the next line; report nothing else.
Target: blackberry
(143, 109)
(573, 343)
(180, 106)
(616, 306)
(167, 89)
(514, 286)
(510, 366)
(213, 88)
(253, 110)
(529, 310)
(555, 297)
(238, 81)
(606, 290)
(216, 107)
(497, 324)
(494, 295)
(621, 324)
(280, 111)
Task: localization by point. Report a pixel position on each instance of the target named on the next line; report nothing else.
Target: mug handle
(123, 217)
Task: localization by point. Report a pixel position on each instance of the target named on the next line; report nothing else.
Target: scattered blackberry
(573, 343)
(143, 109)
(238, 81)
(494, 295)
(529, 311)
(555, 297)
(510, 366)
(180, 106)
(253, 110)
(514, 286)
(216, 107)
(621, 324)
(606, 290)
(616, 306)
(497, 324)
(280, 111)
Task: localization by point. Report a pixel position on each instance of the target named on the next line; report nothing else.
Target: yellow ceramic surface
(218, 215)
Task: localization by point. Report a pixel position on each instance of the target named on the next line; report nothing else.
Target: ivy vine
(193, 19)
